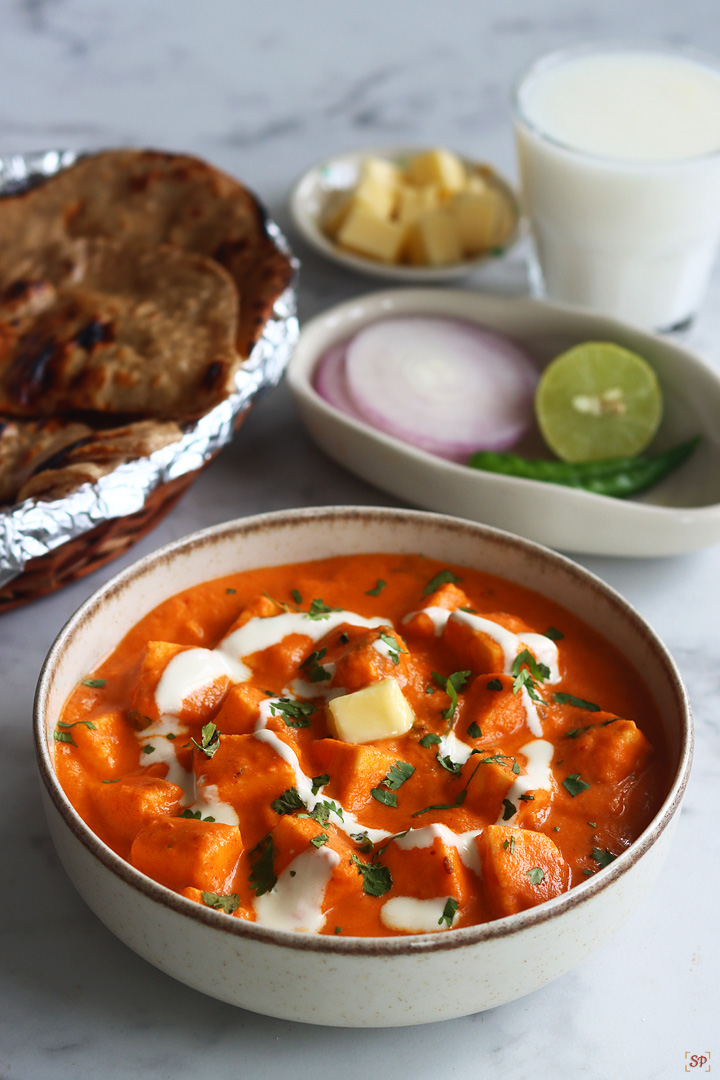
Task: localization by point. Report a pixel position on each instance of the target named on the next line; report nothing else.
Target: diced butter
(433, 239)
(363, 231)
(481, 219)
(376, 196)
(438, 167)
(380, 171)
(413, 201)
(378, 711)
(335, 210)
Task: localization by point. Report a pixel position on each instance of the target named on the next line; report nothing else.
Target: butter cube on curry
(378, 711)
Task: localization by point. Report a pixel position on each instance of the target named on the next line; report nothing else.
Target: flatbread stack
(133, 285)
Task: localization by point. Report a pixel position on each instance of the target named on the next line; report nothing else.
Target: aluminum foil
(34, 528)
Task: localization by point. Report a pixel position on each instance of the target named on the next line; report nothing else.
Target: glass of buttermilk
(619, 153)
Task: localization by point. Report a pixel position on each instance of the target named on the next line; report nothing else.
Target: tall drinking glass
(619, 154)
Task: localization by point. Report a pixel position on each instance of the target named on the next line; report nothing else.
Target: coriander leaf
(230, 592)
(589, 873)
(196, 815)
(386, 845)
(454, 767)
(64, 736)
(451, 684)
(88, 724)
(387, 798)
(296, 596)
(574, 785)
(576, 732)
(170, 735)
(554, 634)
(147, 749)
(210, 740)
(397, 774)
(378, 588)
(323, 810)
(288, 802)
(262, 876)
(603, 858)
(228, 903)
(509, 845)
(592, 824)
(376, 878)
(430, 689)
(363, 841)
(394, 647)
(459, 798)
(116, 781)
(526, 797)
(344, 638)
(319, 781)
(494, 684)
(320, 839)
(300, 711)
(509, 809)
(312, 668)
(536, 875)
(444, 577)
(94, 684)
(474, 731)
(470, 610)
(279, 603)
(319, 610)
(338, 929)
(449, 912)
(430, 739)
(527, 672)
(579, 703)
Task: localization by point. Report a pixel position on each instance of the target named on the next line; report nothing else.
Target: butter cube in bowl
(406, 213)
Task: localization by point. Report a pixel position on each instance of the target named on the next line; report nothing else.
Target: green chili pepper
(616, 476)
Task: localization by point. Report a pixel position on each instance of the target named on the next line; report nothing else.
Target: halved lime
(598, 401)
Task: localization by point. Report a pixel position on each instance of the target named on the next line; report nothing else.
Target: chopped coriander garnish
(296, 596)
(459, 798)
(323, 810)
(292, 873)
(230, 592)
(338, 929)
(378, 588)
(64, 736)
(116, 781)
(526, 797)
(536, 875)
(320, 839)
(592, 824)
(170, 735)
(319, 781)
(397, 774)
(554, 634)
(228, 903)
(449, 912)
(451, 684)
(494, 684)
(209, 741)
(376, 878)
(262, 876)
(344, 638)
(497, 759)
(454, 767)
(312, 668)
(474, 731)
(588, 873)
(602, 858)
(363, 841)
(430, 689)
(387, 798)
(394, 647)
(574, 785)
(288, 802)
(527, 672)
(138, 719)
(470, 610)
(509, 809)
(295, 713)
(278, 603)
(320, 610)
(196, 815)
(430, 739)
(579, 703)
(147, 749)
(509, 845)
(386, 845)
(444, 577)
(94, 684)
(556, 828)
(576, 732)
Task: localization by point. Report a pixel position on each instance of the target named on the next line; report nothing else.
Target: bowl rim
(322, 943)
(308, 226)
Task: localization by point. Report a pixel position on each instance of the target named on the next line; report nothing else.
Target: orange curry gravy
(527, 797)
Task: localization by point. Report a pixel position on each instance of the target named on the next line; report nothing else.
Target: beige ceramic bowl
(362, 982)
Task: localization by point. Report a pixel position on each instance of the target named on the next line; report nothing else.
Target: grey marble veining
(264, 92)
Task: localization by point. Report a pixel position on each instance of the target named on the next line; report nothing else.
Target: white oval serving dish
(363, 982)
(682, 513)
(340, 173)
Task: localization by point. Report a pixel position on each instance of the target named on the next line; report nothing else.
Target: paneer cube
(249, 774)
(477, 648)
(179, 852)
(609, 751)
(433, 239)
(368, 234)
(240, 710)
(370, 658)
(520, 869)
(134, 802)
(438, 167)
(379, 711)
(354, 770)
(492, 782)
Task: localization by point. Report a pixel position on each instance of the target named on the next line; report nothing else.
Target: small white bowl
(340, 173)
(682, 513)
(354, 982)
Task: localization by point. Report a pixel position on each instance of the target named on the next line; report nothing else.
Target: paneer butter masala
(365, 745)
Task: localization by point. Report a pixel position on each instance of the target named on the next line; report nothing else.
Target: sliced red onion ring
(331, 381)
(447, 386)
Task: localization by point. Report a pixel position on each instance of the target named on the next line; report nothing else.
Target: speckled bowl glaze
(354, 982)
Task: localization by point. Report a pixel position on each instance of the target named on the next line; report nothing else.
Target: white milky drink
(619, 153)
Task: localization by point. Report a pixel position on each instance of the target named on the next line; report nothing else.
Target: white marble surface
(263, 92)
